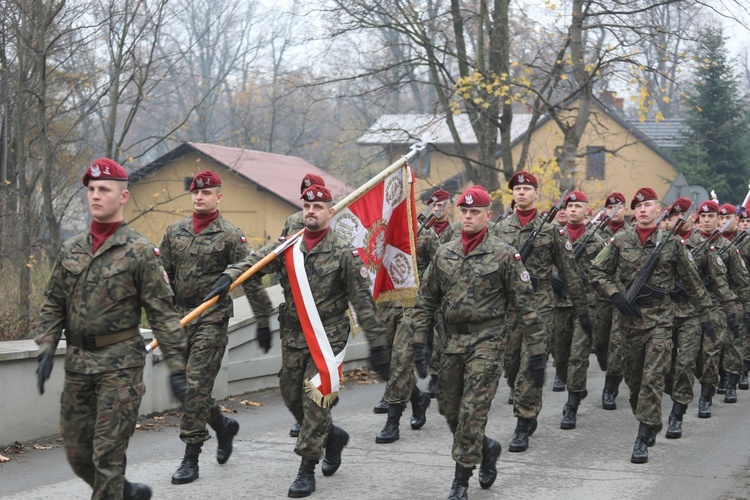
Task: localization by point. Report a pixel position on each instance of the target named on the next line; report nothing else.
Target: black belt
(89, 342)
(464, 328)
(295, 325)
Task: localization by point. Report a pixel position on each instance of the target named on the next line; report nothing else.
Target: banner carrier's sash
(323, 388)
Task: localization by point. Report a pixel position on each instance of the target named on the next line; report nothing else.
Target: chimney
(610, 98)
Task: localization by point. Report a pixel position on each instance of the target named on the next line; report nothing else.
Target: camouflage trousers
(98, 413)
(467, 383)
(401, 379)
(207, 343)
(709, 354)
(686, 340)
(390, 314)
(608, 338)
(436, 344)
(646, 359)
(732, 352)
(572, 349)
(297, 365)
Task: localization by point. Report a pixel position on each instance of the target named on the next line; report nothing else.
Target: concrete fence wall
(26, 416)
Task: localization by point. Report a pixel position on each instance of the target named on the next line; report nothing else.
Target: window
(595, 162)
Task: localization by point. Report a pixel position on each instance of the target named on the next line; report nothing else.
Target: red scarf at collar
(526, 216)
(100, 231)
(312, 238)
(616, 226)
(470, 241)
(575, 231)
(202, 221)
(685, 234)
(645, 233)
(729, 236)
(441, 225)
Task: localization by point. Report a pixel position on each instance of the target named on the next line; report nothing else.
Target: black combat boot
(731, 394)
(640, 450)
(294, 430)
(488, 470)
(569, 411)
(390, 434)
(704, 403)
(381, 407)
(226, 428)
(460, 487)
(136, 491)
(722, 387)
(674, 431)
(431, 387)
(304, 484)
(337, 439)
(611, 383)
(510, 397)
(558, 385)
(655, 430)
(744, 383)
(419, 404)
(524, 428)
(187, 472)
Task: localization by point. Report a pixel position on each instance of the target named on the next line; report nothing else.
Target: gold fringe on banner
(318, 397)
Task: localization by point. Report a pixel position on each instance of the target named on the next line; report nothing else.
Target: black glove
(558, 286)
(680, 293)
(178, 381)
(264, 338)
(421, 359)
(733, 324)
(220, 288)
(625, 307)
(707, 328)
(746, 320)
(586, 324)
(535, 371)
(380, 362)
(43, 370)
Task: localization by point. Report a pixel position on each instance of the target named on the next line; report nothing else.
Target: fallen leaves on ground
(224, 409)
(247, 402)
(360, 376)
(3, 458)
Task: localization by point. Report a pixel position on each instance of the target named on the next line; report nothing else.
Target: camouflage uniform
(193, 263)
(337, 277)
(648, 340)
(96, 298)
(551, 248)
(739, 282)
(474, 293)
(293, 224)
(607, 335)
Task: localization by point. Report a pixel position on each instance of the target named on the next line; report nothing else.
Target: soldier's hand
(707, 328)
(421, 359)
(621, 303)
(535, 371)
(264, 338)
(558, 286)
(380, 362)
(178, 381)
(220, 288)
(43, 370)
(586, 324)
(733, 323)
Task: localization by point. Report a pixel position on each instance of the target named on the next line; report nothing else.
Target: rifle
(581, 245)
(737, 241)
(430, 221)
(528, 244)
(647, 269)
(711, 238)
(508, 212)
(423, 216)
(595, 220)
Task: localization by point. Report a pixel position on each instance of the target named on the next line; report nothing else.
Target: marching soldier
(98, 286)
(473, 280)
(744, 248)
(646, 323)
(320, 275)
(195, 251)
(563, 312)
(551, 248)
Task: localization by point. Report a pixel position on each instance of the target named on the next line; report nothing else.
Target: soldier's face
(576, 211)
(732, 227)
(619, 215)
(206, 201)
(669, 222)
(646, 212)
(438, 205)
(709, 222)
(561, 217)
(744, 224)
(316, 215)
(474, 219)
(525, 196)
(106, 199)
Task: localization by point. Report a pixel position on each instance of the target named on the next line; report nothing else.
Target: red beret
(643, 194)
(311, 180)
(728, 209)
(475, 196)
(575, 196)
(614, 198)
(523, 177)
(709, 206)
(744, 214)
(680, 206)
(316, 193)
(204, 180)
(439, 195)
(104, 169)
(589, 211)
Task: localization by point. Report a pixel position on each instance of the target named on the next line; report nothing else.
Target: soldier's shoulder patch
(517, 256)
(355, 252)
(568, 246)
(712, 248)
(737, 251)
(243, 239)
(682, 241)
(164, 275)
(525, 276)
(690, 257)
(157, 252)
(562, 232)
(719, 261)
(363, 272)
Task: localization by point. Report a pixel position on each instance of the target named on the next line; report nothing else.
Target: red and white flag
(382, 225)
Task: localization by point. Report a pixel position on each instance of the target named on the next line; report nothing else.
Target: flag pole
(416, 150)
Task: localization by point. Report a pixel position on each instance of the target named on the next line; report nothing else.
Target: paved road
(592, 461)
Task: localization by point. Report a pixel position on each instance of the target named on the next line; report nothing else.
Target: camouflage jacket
(593, 247)
(194, 262)
(552, 248)
(337, 276)
(452, 231)
(477, 288)
(427, 244)
(293, 224)
(616, 266)
(98, 294)
(739, 279)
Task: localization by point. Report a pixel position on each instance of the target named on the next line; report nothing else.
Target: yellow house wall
(161, 199)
